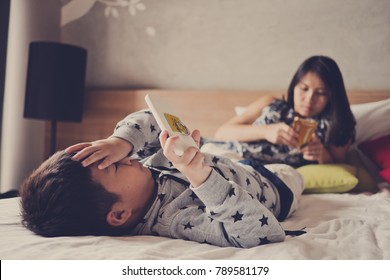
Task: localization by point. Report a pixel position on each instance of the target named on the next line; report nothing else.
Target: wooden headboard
(205, 110)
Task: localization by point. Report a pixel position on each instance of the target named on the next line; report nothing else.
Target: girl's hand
(108, 150)
(315, 151)
(191, 163)
(281, 133)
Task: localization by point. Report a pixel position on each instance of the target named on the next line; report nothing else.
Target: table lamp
(55, 84)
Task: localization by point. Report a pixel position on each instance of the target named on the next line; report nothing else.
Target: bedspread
(338, 226)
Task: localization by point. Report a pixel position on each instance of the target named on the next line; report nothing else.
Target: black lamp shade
(55, 82)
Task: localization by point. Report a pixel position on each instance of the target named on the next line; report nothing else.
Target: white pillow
(372, 120)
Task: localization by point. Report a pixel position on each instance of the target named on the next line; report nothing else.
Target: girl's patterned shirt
(266, 152)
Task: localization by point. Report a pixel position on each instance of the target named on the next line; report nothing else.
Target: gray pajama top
(235, 206)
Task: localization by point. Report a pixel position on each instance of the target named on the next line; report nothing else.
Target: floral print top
(266, 152)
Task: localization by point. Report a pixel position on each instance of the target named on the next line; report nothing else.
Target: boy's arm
(245, 221)
(141, 130)
(191, 163)
(136, 134)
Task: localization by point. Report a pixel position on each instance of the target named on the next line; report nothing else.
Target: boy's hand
(108, 150)
(191, 163)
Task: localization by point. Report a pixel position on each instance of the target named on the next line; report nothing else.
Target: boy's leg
(291, 178)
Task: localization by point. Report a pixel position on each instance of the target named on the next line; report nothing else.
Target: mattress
(338, 226)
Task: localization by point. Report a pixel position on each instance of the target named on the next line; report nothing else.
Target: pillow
(371, 119)
(385, 174)
(366, 181)
(328, 178)
(378, 150)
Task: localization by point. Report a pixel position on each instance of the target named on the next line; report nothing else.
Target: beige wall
(22, 140)
(228, 44)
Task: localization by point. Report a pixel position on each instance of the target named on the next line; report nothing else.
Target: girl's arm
(316, 151)
(241, 128)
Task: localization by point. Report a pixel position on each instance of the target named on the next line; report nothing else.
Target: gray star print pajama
(236, 206)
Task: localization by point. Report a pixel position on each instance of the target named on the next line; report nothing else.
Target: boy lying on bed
(97, 189)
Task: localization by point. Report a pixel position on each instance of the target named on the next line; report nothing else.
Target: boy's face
(127, 178)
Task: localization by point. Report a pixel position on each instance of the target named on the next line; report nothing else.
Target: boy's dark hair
(338, 110)
(60, 199)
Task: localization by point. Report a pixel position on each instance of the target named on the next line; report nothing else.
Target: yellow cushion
(328, 178)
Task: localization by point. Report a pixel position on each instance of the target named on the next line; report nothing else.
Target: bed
(339, 224)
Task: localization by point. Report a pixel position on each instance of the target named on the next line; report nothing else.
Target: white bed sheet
(339, 226)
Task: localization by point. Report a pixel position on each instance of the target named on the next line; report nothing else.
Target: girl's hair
(338, 111)
(60, 199)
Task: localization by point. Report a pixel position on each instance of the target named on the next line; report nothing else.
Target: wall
(184, 44)
(22, 140)
(4, 19)
(227, 44)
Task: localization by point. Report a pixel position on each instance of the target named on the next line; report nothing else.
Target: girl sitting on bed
(264, 132)
(96, 189)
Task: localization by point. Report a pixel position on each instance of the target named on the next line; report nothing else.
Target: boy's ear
(118, 216)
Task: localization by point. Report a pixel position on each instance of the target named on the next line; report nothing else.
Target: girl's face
(310, 96)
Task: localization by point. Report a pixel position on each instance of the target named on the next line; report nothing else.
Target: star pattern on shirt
(141, 153)
(188, 226)
(215, 160)
(273, 207)
(234, 172)
(262, 186)
(263, 240)
(137, 126)
(152, 128)
(248, 182)
(231, 192)
(161, 196)
(202, 208)
(212, 213)
(193, 196)
(264, 220)
(237, 217)
(262, 199)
